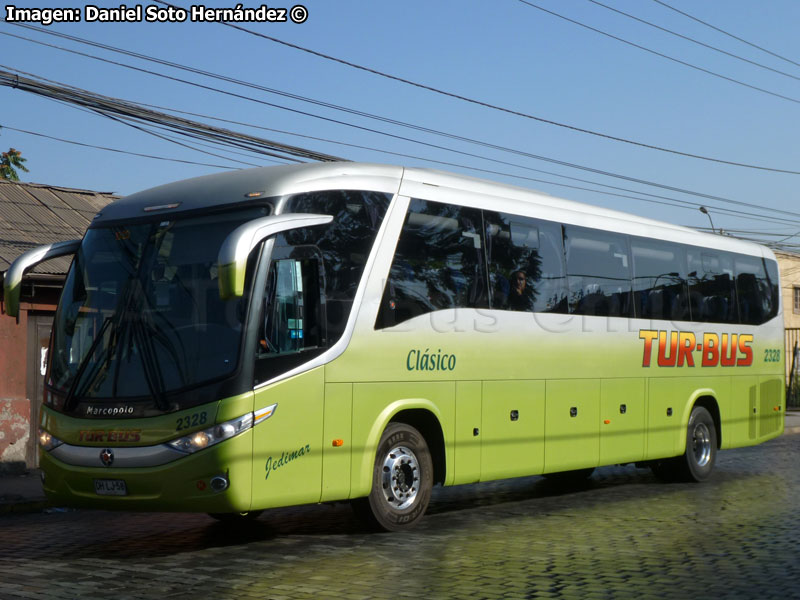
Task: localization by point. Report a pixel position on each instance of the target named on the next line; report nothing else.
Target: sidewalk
(23, 493)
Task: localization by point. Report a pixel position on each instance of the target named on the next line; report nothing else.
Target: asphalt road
(624, 534)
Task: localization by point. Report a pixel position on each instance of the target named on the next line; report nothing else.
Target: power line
(496, 107)
(669, 201)
(760, 232)
(193, 147)
(125, 109)
(166, 138)
(729, 34)
(663, 200)
(131, 112)
(694, 41)
(106, 148)
(693, 207)
(251, 85)
(656, 53)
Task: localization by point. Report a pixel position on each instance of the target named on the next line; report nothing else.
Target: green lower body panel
(183, 485)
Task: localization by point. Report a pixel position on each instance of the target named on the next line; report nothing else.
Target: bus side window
(711, 286)
(526, 264)
(659, 280)
(438, 264)
(290, 321)
(753, 290)
(598, 272)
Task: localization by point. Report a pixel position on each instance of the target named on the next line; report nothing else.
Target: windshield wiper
(152, 372)
(134, 313)
(73, 388)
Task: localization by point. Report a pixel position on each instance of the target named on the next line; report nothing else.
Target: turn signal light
(337, 443)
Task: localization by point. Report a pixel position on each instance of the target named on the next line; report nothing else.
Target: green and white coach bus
(325, 332)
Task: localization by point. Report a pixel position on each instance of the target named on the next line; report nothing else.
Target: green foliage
(9, 163)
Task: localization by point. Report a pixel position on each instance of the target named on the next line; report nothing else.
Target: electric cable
(96, 102)
(131, 109)
(722, 31)
(361, 113)
(656, 53)
(668, 201)
(501, 108)
(694, 41)
(108, 149)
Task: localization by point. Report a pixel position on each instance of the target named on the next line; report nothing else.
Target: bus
(357, 332)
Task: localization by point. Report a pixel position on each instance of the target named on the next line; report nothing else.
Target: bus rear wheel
(698, 460)
(402, 479)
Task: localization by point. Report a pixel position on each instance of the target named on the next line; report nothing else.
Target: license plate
(110, 487)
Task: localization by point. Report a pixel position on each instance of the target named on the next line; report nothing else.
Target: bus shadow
(142, 536)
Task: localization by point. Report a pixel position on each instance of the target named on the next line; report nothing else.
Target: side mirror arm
(12, 280)
(232, 257)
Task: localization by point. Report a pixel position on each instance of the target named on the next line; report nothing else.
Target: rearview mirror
(12, 281)
(232, 257)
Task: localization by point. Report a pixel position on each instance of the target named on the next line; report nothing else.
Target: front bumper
(183, 485)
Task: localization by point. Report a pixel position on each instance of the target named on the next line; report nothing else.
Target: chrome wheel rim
(400, 477)
(701, 444)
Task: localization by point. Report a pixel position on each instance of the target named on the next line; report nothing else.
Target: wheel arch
(708, 400)
(420, 413)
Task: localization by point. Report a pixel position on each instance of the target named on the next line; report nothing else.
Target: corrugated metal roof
(32, 214)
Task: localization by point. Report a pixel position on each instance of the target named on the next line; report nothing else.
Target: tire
(402, 479)
(697, 462)
(241, 517)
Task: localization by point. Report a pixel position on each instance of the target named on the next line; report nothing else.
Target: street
(623, 534)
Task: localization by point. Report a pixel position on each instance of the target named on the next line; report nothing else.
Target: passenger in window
(519, 294)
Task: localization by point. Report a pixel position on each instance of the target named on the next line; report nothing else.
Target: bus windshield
(141, 314)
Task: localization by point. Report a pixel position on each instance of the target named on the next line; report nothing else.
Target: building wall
(789, 265)
(21, 377)
(15, 407)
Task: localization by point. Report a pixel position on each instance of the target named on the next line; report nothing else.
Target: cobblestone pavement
(623, 535)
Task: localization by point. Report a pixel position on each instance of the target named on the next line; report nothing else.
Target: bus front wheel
(402, 479)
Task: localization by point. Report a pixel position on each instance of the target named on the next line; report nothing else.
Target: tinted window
(344, 245)
(526, 264)
(754, 290)
(141, 314)
(774, 287)
(438, 263)
(293, 312)
(659, 280)
(598, 271)
(711, 288)
(313, 278)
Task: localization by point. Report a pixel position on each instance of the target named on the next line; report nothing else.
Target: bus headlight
(48, 442)
(213, 435)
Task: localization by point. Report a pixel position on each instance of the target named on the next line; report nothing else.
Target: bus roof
(237, 187)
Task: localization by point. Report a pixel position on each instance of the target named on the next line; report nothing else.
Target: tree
(9, 163)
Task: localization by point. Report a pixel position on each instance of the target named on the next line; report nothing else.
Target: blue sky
(504, 52)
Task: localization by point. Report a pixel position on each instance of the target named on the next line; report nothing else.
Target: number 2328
(191, 421)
